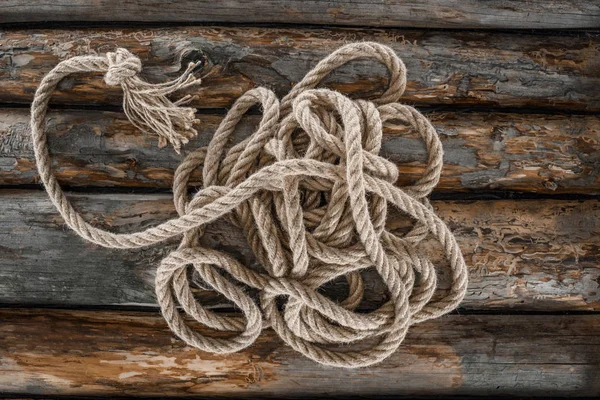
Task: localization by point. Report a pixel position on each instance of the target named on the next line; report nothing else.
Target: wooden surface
(518, 113)
(560, 72)
(522, 255)
(540, 153)
(123, 353)
(464, 14)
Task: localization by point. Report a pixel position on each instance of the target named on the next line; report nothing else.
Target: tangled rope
(310, 193)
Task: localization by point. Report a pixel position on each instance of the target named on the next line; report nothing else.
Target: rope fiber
(311, 194)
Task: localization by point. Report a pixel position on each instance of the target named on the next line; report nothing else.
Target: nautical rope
(310, 193)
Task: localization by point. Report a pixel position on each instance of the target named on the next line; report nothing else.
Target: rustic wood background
(512, 87)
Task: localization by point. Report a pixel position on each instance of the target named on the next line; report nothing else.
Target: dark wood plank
(468, 14)
(538, 153)
(459, 68)
(124, 353)
(523, 255)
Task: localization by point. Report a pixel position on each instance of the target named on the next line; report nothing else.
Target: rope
(310, 193)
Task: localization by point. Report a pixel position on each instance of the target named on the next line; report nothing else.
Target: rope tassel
(146, 104)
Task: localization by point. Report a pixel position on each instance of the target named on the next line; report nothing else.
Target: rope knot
(311, 193)
(147, 105)
(121, 66)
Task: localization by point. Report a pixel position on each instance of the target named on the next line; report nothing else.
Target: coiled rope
(310, 193)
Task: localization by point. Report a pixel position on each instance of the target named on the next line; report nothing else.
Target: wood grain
(122, 353)
(468, 14)
(459, 68)
(523, 255)
(538, 153)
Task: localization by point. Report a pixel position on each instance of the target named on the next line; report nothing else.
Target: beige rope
(311, 194)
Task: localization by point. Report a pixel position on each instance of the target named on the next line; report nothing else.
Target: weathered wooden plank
(526, 255)
(460, 68)
(123, 353)
(512, 14)
(483, 151)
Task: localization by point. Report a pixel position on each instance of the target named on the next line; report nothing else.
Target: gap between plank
(449, 196)
(151, 308)
(576, 32)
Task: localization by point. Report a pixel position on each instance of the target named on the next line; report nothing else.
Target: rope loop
(311, 194)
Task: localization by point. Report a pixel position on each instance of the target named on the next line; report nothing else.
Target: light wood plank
(483, 151)
(460, 68)
(125, 353)
(523, 255)
(466, 14)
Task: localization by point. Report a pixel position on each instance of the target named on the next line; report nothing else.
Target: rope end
(182, 131)
(147, 105)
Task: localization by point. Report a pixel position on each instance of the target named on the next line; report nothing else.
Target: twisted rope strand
(310, 193)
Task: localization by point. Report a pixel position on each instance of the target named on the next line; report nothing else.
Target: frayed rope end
(146, 104)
